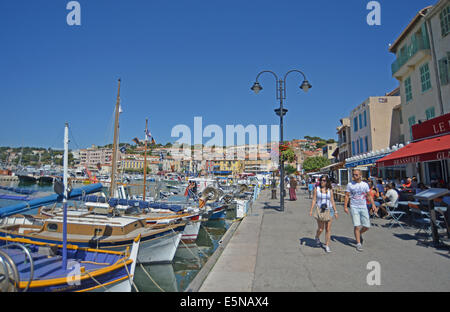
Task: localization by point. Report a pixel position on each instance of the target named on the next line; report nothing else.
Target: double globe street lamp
(280, 85)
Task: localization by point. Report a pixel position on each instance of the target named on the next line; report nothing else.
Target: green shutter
(443, 71)
(408, 89)
(425, 77)
(411, 121)
(430, 113)
(426, 42)
(445, 21)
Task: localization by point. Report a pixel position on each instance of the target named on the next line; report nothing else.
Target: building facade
(344, 139)
(370, 124)
(328, 151)
(93, 156)
(422, 67)
(438, 23)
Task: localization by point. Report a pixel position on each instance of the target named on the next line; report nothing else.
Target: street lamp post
(280, 85)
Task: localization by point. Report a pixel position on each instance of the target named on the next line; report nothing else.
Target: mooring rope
(195, 256)
(129, 275)
(148, 274)
(87, 272)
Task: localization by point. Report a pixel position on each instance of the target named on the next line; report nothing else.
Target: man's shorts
(360, 217)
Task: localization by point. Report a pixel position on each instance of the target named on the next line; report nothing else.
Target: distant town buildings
(329, 151)
(344, 139)
(93, 157)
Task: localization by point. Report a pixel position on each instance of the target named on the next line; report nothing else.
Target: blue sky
(181, 59)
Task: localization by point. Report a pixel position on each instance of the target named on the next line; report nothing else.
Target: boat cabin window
(52, 227)
(97, 232)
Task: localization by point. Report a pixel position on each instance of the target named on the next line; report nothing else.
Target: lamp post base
(274, 194)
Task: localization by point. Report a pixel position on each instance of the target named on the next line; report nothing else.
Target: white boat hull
(159, 250)
(191, 230)
(122, 286)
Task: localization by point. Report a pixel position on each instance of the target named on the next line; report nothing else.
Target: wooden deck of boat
(129, 236)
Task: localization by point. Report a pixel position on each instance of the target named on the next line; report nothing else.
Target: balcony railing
(411, 50)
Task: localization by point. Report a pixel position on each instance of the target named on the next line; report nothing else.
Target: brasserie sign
(431, 128)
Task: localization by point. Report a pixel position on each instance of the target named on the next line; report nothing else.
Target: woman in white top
(323, 195)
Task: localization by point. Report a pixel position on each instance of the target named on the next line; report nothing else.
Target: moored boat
(88, 230)
(39, 267)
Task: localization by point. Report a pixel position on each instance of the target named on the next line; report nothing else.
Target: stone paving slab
(273, 251)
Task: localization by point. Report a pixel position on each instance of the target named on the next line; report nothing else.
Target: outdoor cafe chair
(423, 221)
(441, 206)
(395, 215)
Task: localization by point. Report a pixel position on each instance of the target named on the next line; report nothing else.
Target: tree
(290, 169)
(314, 163)
(287, 154)
(314, 139)
(320, 144)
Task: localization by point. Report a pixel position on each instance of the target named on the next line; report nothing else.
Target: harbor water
(189, 258)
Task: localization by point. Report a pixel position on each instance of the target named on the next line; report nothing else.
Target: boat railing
(10, 268)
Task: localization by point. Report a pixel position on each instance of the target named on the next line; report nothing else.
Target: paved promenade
(274, 251)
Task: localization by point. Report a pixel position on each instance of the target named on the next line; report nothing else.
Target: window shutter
(443, 71)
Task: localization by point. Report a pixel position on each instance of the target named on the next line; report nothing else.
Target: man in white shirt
(390, 199)
(358, 191)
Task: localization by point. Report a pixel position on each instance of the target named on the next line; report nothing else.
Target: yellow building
(133, 164)
(234, 166)
(258, 165)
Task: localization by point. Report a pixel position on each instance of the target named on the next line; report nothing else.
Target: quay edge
(201, 276)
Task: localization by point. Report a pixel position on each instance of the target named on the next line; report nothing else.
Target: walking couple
(325, 208)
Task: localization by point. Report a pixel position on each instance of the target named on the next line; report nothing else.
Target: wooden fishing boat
(39, 267)
(160, 215)
(158, 242)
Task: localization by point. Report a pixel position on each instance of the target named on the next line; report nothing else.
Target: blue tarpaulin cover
(130, 202)
(43, 201)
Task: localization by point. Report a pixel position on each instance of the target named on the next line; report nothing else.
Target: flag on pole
(148, 135)
(136, 140)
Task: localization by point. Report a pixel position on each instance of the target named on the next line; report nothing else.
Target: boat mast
(114, 155)
(145, 157)
(66, 164)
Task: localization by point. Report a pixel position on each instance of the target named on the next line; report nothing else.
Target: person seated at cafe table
(421, 187)
(408, 184)
(414, 182)
(380, 187)
(390, 199)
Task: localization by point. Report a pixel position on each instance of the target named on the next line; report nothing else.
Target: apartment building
(329, 150)
(93, 155)
(344, 139)
(422, 67)
(438, 23)
(371, 122)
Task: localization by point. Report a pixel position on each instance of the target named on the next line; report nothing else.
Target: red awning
(426, 150)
